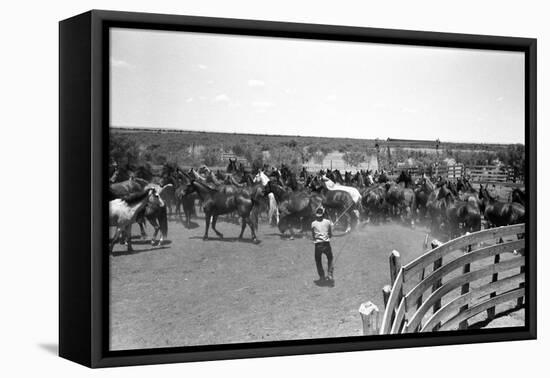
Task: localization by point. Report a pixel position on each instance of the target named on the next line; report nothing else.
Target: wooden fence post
(491, 311)
(386, 291)
(369, 316)
(419, 300)
(437, 264)
(520, 300)
(395, 265)
(422, 274)
(465, 289)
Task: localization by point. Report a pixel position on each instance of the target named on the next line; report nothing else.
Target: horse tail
(163, 221)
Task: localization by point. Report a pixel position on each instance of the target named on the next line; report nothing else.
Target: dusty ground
(195, 292)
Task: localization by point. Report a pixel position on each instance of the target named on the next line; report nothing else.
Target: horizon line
(146, 128)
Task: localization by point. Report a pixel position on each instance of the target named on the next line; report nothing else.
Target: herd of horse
(289, 200)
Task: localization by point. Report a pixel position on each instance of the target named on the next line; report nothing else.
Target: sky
(264, 85)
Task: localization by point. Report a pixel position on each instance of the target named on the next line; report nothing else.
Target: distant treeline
(135, 147)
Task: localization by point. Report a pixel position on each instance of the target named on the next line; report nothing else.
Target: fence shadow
(483, 323)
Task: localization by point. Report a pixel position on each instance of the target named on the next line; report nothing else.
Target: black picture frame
(83, 137)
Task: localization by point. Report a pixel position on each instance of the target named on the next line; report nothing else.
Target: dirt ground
(195, 292)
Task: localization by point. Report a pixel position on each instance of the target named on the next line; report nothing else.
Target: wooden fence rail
(454, 281)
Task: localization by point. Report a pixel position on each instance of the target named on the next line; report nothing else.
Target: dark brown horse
(296, 208)
(422, 195)
(459, 214)
(519, 196)
(185, 202)
(405, 178)
(466, 191)
(339, 201)
(232, 166)
(216, 203)
(435, 210)
(401, 200)
(125, 188)
(374, 204)
(500, 213)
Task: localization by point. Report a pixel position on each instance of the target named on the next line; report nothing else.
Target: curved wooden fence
(455, 282)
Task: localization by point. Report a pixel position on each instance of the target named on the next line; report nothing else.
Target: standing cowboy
(321, 230)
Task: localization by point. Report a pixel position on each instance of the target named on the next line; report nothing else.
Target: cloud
(331, 97)
(202, 66)
(119, 63)
(221, 98)
(499, 99)
(190, 99)
(255, 83)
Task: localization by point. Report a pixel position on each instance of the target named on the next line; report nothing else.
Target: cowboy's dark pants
(320, 249)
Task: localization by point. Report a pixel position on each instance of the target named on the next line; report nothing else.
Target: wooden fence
(455, 171)
(225, 156)
(492, 174)
(452, 283)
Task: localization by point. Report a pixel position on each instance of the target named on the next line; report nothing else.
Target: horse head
(190, 188)
(315, 184)
(405, 178)
(204, 170)
(337, 176)
(452, 187)
(153, 195)
(347, 177)
(232, 166)
(444, 192)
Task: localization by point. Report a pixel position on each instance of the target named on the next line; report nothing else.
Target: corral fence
(452, 283)
(455, 171)
(225, 156)
(477, 173)
(493, 174)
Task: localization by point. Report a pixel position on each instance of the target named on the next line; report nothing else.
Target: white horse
(123, 212)
(370, 180)
(353, 192)
(262, 178)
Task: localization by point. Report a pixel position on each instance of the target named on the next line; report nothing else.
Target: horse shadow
(192, 225)
(227, 240)
(138, 251)
(148, 241)
(324, 283)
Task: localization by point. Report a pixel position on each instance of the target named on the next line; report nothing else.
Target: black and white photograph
(269, 189)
